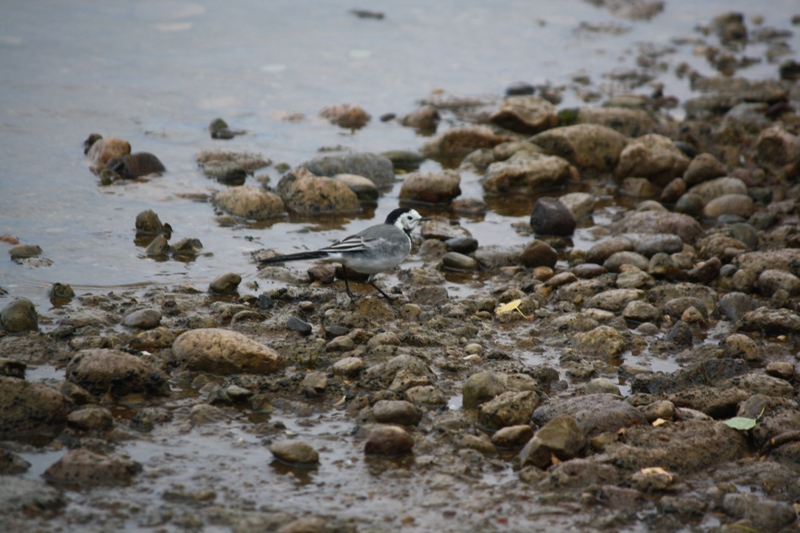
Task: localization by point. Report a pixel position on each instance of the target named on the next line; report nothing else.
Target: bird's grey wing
(353, 243)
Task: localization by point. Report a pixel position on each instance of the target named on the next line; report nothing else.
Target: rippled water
(156, 73)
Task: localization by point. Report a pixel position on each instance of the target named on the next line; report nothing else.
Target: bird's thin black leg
(347, 285)
(380, 291)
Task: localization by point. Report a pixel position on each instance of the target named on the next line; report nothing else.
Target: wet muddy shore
(597, 329)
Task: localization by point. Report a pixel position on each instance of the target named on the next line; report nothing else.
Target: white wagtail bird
(376, 249)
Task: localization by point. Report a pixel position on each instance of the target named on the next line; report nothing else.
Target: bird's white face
(408, 221)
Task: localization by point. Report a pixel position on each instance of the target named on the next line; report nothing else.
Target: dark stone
(520, 88)
(551, 217)
(735, 305)
(462, 245)
(300, 326)
(265, 301)
(680, 335)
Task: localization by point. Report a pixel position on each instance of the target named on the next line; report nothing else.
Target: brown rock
(224, 352)
(388, 441)
(87, 468)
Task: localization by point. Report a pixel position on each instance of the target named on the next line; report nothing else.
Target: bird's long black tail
(293, 257)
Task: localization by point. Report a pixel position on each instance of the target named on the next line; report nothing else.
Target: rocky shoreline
(645, 383)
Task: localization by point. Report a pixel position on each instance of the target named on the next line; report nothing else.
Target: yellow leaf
(659, 422)
(513, 305)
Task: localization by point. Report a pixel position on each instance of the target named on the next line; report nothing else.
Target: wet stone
(602, 341)
(152, 340)
(226, 283)
(265, 302)
(580, 204)
(770, 321)
(388, 441)
(672, 191)
(526, 172)
(735, 305)
(587, 146)
(602, 386)
(599, 252)
(480, 388)
(298, 325)
(462, 245)
(508, 409)
(19, 316)
(765, 514)
(31, 408)
(224, 352)
(32, 497)
(593, 413)
(87, 468)
(680, 334)
(551, 217)
(690, 204)
(314, 384)
(703, 167)
(340, 344)
(12, 368)
(781, 369)
(148, 223)
(24, 251)
(512, 436)
(538, 253)
(143, 319)
(617, 260)
(431, 188)
(425, 395)
(560, 437)
(398, 412)
(365, 189)
(459, 262)
(295, 452)
(102, 371)
(91, 419)
(11, 463)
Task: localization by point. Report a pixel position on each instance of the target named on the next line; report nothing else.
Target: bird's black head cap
(392, 217)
